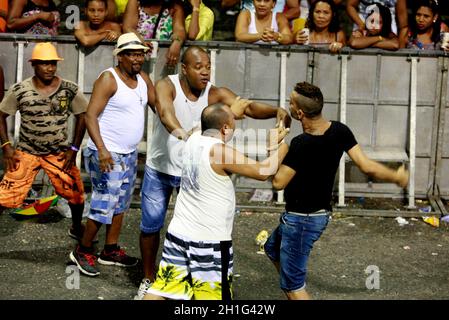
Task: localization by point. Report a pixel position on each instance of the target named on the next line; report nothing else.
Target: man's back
(315, 159)
(205, 205)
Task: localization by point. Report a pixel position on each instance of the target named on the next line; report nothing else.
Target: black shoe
(85, 262)
(117, 257)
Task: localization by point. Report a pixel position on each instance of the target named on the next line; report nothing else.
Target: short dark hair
(104, 1)
(310, 91)
(334, 25)
(190, 49)
(214, 116)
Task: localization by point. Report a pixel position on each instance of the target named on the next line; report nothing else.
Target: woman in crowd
(424, 29)
(34, 16)
(157, 19)
(263, 25)
(324, 27)
(378, 32)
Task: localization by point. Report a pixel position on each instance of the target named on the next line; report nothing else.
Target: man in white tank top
(180, 99)
(201, 228)
(115, 120)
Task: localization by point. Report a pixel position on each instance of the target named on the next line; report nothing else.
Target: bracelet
(196, 9)
(380, 38)
(74, 148)
(279, 39)
(177, 38)
(6, 143)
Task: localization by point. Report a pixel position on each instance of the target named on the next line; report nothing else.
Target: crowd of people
(194, 119)
(385, 24)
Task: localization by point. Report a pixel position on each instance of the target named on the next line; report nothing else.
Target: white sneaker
(143, 289)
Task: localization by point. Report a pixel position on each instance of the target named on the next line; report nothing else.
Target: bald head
(215, 117)
(193, 53)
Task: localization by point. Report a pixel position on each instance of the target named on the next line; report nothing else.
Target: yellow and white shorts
(194, 270)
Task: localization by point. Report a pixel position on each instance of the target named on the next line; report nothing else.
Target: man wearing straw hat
(115, 120)
(45, 102)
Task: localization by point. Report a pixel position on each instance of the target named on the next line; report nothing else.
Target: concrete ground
(412, 260)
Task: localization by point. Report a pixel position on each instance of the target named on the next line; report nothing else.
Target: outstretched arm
(227, 160)
(165, 94)
(256, 110)
(378, 170)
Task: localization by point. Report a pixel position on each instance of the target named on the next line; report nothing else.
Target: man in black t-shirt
(307, 173)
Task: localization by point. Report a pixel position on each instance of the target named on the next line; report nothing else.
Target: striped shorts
(111, 191)
(196, 270)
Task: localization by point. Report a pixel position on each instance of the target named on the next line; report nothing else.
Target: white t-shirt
(122, 121)
(166, 150)
(205, 205)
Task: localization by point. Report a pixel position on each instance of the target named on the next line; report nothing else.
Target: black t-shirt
(315, 160)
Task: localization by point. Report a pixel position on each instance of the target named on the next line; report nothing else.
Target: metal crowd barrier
(395, 102)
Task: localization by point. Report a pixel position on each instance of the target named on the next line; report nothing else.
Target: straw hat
(129, 41)
(45, 51)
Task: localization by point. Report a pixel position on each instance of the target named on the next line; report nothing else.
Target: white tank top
(252, 26)
(205, 206)
(166, 150)
(122, 121)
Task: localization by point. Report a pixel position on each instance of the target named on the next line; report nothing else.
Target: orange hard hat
(45, 51)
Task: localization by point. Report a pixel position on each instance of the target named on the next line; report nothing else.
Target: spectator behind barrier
(425, 27)
(199, 23)
(3, 14)
(378, 32)
(91, 32)
(304, 6)
(324, 27)
(263, 25)
(290, 8)
(157, 19)
(358, 11)
(34, 16)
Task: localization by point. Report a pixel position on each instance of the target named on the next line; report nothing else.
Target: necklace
(139, 95)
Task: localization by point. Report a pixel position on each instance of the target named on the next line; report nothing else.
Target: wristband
(279, 39)
(74, 148)
(6, 143)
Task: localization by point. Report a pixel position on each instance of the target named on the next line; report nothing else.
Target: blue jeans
(290, 245)
(157, 188)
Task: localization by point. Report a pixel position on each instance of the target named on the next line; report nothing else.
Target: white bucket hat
(129, 41)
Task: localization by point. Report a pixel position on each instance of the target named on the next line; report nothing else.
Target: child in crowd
(91, 32)
(378, 32)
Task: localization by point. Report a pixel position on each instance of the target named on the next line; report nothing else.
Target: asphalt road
(411, 261)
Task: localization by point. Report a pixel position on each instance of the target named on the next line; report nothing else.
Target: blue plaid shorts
(111, 191)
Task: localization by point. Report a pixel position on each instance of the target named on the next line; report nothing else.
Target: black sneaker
(85, 262)
(117, 257)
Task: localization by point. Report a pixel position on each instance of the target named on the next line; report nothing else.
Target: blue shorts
(111, 191)
(157, 188)
(290, 245)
